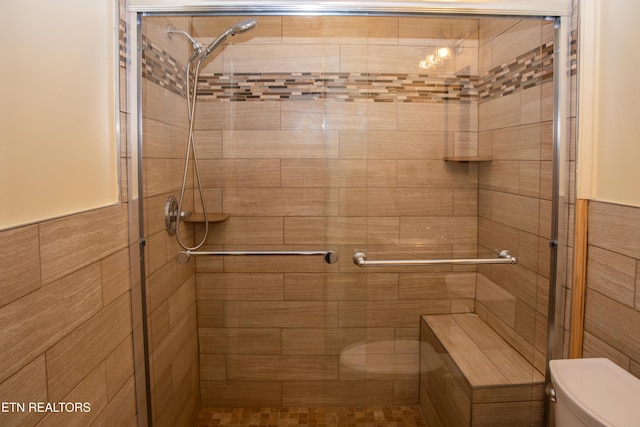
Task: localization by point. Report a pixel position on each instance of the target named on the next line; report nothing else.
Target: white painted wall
(609, 102)
(58, 149)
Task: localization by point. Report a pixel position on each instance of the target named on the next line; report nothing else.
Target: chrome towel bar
(330, 257)
(360, 259)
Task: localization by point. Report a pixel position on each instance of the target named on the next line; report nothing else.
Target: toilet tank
(594, 392)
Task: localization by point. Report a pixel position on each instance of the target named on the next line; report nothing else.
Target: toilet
(594, 392)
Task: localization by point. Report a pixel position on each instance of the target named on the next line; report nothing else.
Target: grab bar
(504, 257)
(330, 257)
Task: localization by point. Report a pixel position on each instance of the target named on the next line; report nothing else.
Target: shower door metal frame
(559, 10)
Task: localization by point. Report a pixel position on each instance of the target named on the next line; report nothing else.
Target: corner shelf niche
(212, 217)
(467, 159)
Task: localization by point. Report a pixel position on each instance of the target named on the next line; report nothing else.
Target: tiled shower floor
(393, 416)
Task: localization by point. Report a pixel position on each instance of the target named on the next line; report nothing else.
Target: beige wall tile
(79, 240)
(165, 353)
(353, 202)
(437, 285)
(92, 389)
(278, 263)
(327, 393)
(615, 227)
(383, 230)
(213, 116)
(121, 409)
(162, 140)
(268, 58)
(400, 314)
(115, 276)
(531, 179)
(181, 301)
(521, 37)
(158, 324)
(340, 30)
(497, 300)
(612, 274)
(240, 286)
(210, 314)
(530, 107)
(162, 284)
(407, 145)
(247, 230)
(327, 287)
(282, 144)
(515, 211)
(381, 58)
(430, 230)
(325, 230)
(314, 116)
(324, 173)
(281, 368)
(440, 117)
(269, 28)
(20, 265)
(285, 202)
(382, 286)
(240, 173)
(208, 144)
(381, 173)
(517, 143)
(418, 30)
(614, 323)
(47, 315)
(119, 366)
(212, 367)
(277, 314)
(436, 173)
(240, 341)
(27, 385)
(501, 176)
(234, 394)
(512, 413)
(500, 112)
(186, 361)
(464, 144)
(465, 202)
(409, 202)
(73, 357)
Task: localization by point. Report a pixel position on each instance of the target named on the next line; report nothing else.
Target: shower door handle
(329, 257)
(360, 259)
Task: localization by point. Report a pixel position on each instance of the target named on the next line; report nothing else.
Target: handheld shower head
(242, 26)
(237, 28)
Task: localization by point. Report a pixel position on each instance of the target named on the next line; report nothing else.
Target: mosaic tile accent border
(534, 68)
(347, 87)
(161, 68)
(531, 69)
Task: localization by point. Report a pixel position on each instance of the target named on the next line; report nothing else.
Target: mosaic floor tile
(387, 416)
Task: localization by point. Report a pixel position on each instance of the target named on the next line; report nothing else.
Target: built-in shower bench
(470, 376)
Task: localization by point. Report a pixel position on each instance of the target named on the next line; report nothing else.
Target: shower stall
(398, 131)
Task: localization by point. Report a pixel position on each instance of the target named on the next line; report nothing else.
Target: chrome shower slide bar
(504, 257)
(330, 257)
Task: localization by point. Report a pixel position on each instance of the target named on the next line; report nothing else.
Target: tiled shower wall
(515, 189)
(337, 143)
(171, 303)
